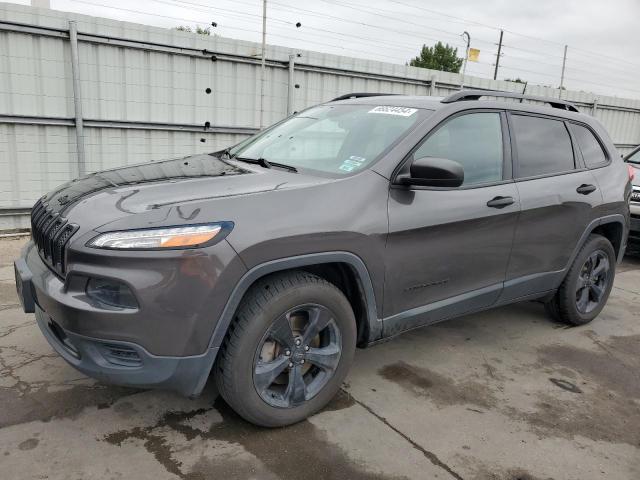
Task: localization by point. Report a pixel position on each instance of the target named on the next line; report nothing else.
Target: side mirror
(433, 172)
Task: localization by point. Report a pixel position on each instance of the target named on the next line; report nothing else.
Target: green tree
(439, 57)
(515, 80)
(199, 30)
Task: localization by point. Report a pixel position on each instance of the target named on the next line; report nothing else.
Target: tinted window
(543, 146)
(473, 140)
(589, 146)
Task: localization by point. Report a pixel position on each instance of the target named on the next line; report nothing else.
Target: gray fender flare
(259, 271)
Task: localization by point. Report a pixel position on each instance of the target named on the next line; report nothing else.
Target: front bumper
(103, 344)
(128, 364)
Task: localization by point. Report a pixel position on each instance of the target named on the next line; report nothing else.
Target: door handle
(500, 202)
(586, 189)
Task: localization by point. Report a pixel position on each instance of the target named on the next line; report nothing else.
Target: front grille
(51, 233)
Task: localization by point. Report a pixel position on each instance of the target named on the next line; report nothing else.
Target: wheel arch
(612, 227)
(340, 268)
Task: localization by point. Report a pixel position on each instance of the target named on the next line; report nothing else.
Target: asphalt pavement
(504, 394)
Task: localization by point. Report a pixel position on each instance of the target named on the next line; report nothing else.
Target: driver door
(448, 248)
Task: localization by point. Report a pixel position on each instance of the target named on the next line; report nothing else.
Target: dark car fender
(259, 271)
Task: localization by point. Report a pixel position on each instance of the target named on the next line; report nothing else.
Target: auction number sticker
(400, 111)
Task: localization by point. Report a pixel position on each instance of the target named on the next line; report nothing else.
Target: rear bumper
(124, 363)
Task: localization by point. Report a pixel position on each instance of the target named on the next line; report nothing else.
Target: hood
(171, 192)
(187, 168)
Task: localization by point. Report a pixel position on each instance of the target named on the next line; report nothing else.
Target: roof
(412, 101)
(468, 99)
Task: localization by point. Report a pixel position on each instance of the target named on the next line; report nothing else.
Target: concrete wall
(144, 96)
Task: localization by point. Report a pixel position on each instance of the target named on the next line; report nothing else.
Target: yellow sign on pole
(474, 54)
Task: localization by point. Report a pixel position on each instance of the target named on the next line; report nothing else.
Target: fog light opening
(111, 293)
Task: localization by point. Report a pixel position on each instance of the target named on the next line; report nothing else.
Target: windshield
(334, 139)
(635, 158)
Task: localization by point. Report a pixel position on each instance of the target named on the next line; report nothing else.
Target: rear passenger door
(558, 196)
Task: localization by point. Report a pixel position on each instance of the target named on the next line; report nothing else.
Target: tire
(568, 304)
(259, 344)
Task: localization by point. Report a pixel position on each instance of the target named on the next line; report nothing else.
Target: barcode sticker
(387, 110)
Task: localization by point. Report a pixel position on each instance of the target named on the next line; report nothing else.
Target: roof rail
(360, 95)
(476, 94)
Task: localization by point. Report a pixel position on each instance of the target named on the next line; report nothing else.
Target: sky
(603, 54)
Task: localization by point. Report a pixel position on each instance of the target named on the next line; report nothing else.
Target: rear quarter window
(589, 146)
(543, 146)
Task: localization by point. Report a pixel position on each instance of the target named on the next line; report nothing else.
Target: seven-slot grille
(51, 233)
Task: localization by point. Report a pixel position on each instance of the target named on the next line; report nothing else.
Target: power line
(360, 39)
(572, 59)
(197, 22)
(320, 15)
(369, 10)
(369, 40)
(498, 28)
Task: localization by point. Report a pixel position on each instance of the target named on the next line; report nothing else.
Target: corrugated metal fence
(145, 93)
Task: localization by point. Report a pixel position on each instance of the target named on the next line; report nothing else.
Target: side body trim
(511, 291)
(442, 310)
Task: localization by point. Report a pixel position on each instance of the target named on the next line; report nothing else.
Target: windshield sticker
(351, 163)
(400, 111)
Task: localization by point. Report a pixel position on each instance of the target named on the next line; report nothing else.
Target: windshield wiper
(263, 162)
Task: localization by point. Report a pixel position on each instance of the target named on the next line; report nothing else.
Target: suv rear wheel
(289, 349)
(585, 290)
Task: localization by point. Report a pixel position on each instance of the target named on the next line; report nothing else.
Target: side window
(590, 147)
(543, 146)
(473, 140)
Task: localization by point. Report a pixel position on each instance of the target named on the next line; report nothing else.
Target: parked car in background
(633, 159)
(266, 264)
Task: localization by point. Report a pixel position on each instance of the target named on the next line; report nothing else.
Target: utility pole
(466, 35)
(564, 63)
(263, 61)
(495, 72)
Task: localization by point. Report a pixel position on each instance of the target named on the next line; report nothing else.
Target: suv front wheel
(585, 290)
(289, 349)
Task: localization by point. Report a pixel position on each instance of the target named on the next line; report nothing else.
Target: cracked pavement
(504, 394)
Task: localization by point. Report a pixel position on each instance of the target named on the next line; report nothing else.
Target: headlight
(160, 238)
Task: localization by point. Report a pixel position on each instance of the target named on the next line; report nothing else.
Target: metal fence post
(77, 96)
(595, 107)
(263, 67)
(432, 86)
(291, 85)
